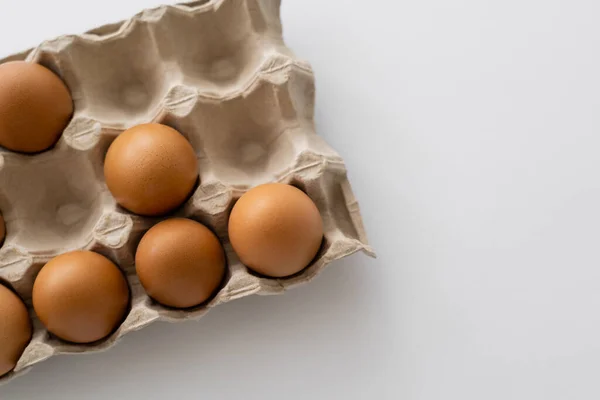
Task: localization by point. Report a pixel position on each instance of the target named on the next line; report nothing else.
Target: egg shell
(180, 262)
(80, 296)
(150, 169)
(275, 229)
(35, 107)
(15, 329)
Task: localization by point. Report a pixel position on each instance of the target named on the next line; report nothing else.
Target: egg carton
(219, 73)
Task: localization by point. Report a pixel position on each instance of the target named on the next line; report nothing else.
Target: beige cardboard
(217, 71)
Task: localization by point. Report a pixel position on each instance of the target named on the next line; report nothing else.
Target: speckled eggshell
(180, 262)
(35, 107)
(275, 229)
(150, 169)
(15, 329)
(80, 296)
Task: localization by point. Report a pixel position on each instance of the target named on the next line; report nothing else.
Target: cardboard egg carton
(218, 72)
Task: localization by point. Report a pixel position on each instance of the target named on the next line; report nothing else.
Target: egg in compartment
(80, 296)
(180, 263)
(15, 329)
(150, 169)
(275, 229)
(35, 107)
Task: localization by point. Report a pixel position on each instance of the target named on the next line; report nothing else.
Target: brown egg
(35, 107)
(275, 229)
(180, 262)
(80, 296)
(15, 329)
(150, 169)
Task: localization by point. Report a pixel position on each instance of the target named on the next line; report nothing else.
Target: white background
(471, 130)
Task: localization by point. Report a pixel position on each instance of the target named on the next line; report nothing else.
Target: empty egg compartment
(231, 49)
(124, 89)
(121, 75)
(250, 138)
(51, 202)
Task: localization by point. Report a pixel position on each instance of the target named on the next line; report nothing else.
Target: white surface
(471, 130)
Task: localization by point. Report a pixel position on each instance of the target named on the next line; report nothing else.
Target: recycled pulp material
(217, 71)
